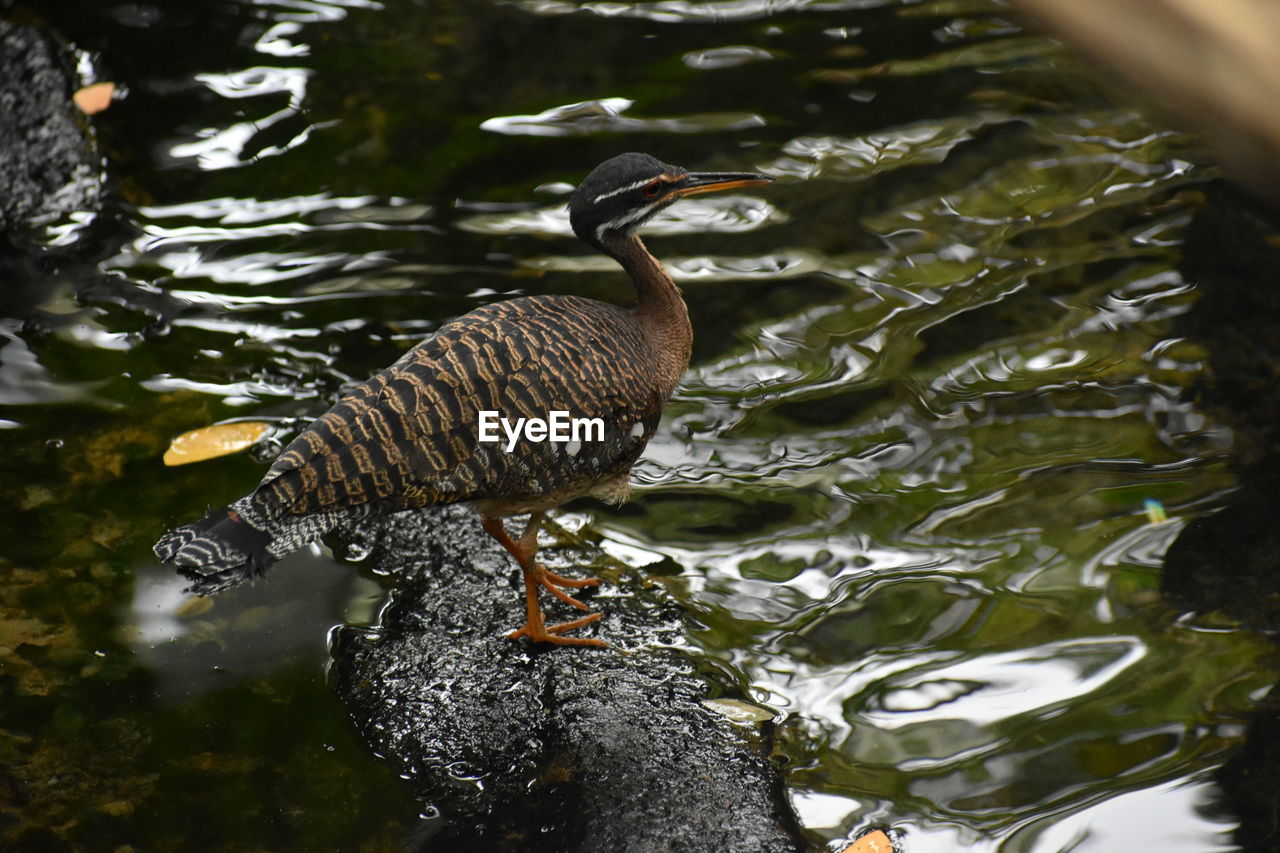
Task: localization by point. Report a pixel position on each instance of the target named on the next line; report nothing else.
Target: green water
(935, 379)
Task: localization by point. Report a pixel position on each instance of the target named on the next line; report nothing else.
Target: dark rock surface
(555, 748)
(49, 167)
(1229, 561)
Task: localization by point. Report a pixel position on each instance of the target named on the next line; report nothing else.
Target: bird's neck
(660, 309)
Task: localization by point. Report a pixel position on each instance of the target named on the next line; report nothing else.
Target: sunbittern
(409, 436)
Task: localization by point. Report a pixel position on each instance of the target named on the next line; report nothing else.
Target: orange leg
(535, 627)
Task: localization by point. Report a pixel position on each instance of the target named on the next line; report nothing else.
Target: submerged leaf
(94, 98)
(213, 441)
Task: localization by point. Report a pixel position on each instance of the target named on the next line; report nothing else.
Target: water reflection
(936, 382)
(229, 147)
(1001, 686)
(863, 157)
(606, 115)
(725, 57)
(194, 645)
(684, 11)
(1169, 817)
(205, 251)
(721, 214)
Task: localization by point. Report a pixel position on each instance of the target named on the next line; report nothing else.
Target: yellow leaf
(213, 441)
(94, 98)
(872, 842)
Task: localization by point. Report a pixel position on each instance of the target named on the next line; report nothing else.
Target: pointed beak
(711, 182)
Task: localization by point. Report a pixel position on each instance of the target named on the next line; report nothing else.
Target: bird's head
(624, 191)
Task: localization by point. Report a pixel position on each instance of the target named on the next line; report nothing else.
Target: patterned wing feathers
(408, 436)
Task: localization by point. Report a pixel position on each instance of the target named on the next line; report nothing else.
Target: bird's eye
(652, 189)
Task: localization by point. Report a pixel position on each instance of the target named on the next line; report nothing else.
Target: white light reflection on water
(818, 810)
(232, 393)
(689, 12)
(238, 211)
(996, 687)
(703, 268)
(192, 645)
(223, 148)
(215, 148)
(606, 116)
(314, 11)
(208, 251)
(725, 57)
(862, 157)
(253, 268)
(725, 214)
(275, 41)
(259, 332)
(24, 381)
(1170, 818)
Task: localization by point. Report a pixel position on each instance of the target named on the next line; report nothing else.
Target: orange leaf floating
(872, 842)
(95, 98)
(213, 441)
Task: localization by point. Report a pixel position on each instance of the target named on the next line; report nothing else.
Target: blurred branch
(1216, 65)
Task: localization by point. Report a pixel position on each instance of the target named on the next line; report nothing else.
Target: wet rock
(49, 167)
(1229, 561)
(556, 748)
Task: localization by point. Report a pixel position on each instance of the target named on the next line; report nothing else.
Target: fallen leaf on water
(94, 98)
(213, 441)
(872, 842)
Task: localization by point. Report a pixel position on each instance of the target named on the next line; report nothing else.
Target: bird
(410, 436)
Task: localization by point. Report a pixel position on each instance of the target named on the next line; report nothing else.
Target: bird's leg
(524, 550)
(529, 544)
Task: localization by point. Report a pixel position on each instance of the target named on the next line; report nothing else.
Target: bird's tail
(219, 551)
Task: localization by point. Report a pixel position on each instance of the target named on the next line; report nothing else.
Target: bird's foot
(552, 582)
(541, 633)
(535, 627)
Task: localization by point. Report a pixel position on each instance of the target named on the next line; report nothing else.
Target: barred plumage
(409, 436)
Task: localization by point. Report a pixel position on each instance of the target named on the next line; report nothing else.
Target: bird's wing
(409, 436)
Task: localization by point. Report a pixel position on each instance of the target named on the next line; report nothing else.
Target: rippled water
(935, 386)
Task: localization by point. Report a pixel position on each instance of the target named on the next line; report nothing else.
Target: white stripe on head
(637, 185)
(611, 193)
(618, 223)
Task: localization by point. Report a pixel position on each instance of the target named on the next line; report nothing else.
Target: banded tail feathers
(219, 551)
